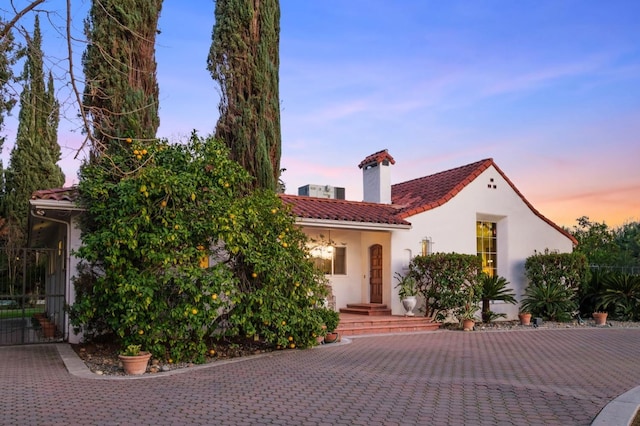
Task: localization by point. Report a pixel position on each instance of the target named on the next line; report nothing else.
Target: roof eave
(344, 224)
(55, 205)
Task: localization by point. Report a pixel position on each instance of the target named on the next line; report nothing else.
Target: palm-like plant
(552, 301)
(621, 296)
(494, 288)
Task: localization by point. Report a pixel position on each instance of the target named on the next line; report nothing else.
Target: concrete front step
(354, 325)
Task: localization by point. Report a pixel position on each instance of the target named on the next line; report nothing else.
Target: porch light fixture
(40, 212)
(426, 244)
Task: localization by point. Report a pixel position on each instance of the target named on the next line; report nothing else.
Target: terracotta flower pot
(600, 318)
(525, 318)
(136, 364)
(468, 324)
(48, 329)
(331, 337)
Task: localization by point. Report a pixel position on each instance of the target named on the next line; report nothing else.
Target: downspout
(67, 273)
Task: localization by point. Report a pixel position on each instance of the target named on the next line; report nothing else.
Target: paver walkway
(536, 377)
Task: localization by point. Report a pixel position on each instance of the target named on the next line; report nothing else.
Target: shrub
(551, 301)
(494, 288)
(621, 296)
(446, 280)
(554, 280)
(154, 218)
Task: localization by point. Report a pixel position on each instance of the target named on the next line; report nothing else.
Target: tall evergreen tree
(121, 90)
(244, 59)
(7, 59)
(34, 157)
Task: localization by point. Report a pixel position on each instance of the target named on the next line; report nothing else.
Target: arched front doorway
(375, 274)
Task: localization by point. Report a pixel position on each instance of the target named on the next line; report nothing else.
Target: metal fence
(31, 297)
(630, 269)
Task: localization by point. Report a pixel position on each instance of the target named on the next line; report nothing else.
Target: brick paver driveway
(535, 377)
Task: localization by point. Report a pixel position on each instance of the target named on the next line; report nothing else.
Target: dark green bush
(446, 281)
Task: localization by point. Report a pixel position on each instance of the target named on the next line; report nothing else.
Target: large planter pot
(525, 318)
(331, 337)
(136, 364)
(600, 318)
(409, 303)
(48, 329)
(468, 324)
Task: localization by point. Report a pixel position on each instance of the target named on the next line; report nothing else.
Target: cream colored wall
(452, 228)
(354, 286)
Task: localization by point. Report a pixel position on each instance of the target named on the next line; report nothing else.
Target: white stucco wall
(452, 228)
(74, 244)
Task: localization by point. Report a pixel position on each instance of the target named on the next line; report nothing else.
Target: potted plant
(331, 320)
(134, 360)
(467, 313)
(525, 317)
(600, 317)
(407, 290)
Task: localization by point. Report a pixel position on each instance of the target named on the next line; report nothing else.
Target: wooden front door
(375, 274)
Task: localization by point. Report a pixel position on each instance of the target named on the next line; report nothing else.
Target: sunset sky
(550, 89)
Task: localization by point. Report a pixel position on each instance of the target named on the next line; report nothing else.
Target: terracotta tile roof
(342, 210)
(56, 194)
(377, 158)
(426, 193)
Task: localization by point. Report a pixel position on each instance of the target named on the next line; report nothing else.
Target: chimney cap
(377, 158)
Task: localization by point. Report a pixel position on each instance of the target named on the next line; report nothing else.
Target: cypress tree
(7, 59)
(36, 151)
(121, 90)
(244, 59)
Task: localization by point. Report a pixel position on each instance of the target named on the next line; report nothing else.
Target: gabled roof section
(377, 158)
(342, 210)
(56, 194)
(426, 193)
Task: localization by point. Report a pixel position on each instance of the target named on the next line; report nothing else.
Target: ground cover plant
(176, 248)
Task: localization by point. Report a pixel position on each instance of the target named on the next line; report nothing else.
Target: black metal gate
(32, 297)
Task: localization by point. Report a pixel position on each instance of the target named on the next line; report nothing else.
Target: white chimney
(376, 177)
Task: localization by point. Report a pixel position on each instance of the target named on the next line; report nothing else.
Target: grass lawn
(18, 313)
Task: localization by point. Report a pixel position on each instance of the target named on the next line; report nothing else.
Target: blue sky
(549, 89)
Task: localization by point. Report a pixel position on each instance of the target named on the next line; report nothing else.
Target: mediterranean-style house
(472, 209)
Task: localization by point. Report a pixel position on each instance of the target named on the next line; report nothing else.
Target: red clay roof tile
(377, 158)
(342, 210)
(56, 194)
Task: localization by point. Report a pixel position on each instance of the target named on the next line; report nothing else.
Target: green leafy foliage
(244, 58)
(447, 281)
(494, 288)
(551, 301)
(406, 285)
(148, 231)
(554, 282)
(36, 150)
(620, 295)
(121, 88)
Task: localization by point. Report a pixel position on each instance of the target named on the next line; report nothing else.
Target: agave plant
(494, 288)
(552, 301)
(621, 296)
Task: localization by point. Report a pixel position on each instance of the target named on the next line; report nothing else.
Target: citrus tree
(175, 249)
